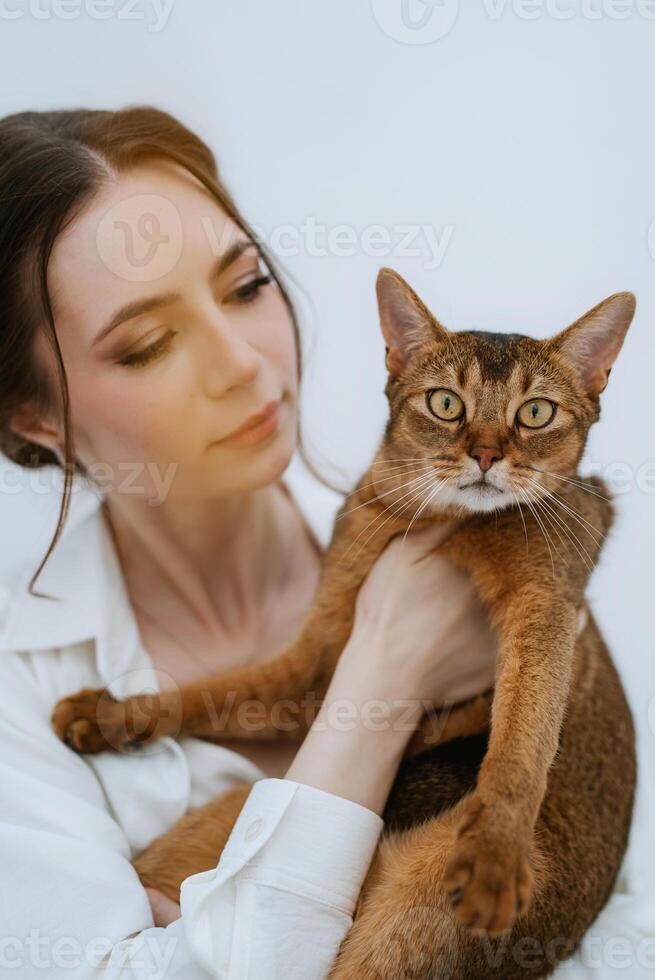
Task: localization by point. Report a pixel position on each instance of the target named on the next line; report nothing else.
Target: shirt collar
(85, 580)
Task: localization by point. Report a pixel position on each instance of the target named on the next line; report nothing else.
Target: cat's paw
(90, 721)
(488, 875)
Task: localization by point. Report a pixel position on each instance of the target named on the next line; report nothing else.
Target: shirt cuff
(299, 838)
(299, 843)
(322, 847)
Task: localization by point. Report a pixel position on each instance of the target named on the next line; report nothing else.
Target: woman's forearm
(357, 740)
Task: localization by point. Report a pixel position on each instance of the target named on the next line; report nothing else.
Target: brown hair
(51, 164)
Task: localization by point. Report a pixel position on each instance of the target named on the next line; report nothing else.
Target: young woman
(148, 345)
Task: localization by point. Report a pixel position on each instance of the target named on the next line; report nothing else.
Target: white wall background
(522, 138)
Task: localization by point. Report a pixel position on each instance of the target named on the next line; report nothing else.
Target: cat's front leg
(93, 720)
(274, 700)
(488, 875)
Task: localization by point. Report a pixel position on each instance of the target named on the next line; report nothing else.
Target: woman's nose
(226, 359)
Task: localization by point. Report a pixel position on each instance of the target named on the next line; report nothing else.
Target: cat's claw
(488, 876)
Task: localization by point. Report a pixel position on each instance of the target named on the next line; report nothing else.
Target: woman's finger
(164, 909)
(429, 538)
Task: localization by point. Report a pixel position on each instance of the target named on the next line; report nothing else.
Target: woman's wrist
(377, 674)
(359, 736)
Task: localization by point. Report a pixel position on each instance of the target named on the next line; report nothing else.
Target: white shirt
(282, 895)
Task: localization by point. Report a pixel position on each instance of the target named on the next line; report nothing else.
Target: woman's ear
(405, 321)
(28, 423)
(592, 343)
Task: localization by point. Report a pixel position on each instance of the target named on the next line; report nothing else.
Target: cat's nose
(486, 456)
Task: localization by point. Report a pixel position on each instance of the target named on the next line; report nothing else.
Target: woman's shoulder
(78, 580)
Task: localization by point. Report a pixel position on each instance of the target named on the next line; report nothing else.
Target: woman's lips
(255, 432)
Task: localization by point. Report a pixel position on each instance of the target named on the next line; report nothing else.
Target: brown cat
(499, 850)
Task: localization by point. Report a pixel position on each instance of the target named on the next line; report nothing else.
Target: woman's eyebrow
(140, 306)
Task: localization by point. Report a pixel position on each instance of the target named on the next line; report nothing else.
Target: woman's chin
(259, 466)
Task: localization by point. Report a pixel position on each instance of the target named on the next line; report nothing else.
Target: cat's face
(482, 421)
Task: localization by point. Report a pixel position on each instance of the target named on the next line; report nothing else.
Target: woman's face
(172, 336)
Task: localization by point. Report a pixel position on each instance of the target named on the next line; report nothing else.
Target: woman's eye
(249, 291)
(148, 353)
(445, 404)
(536, 413)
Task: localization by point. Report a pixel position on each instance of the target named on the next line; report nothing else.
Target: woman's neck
(211, 563)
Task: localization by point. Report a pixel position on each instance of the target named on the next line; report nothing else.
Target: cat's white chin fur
(477, 500)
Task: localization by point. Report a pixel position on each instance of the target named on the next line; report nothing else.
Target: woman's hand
(422, 620)
(419, 635)
(164, 909)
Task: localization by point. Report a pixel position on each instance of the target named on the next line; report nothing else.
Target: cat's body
(525, 832)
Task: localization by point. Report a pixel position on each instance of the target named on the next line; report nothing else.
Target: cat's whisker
(410, 459)
(540, 524)
(367, 503)
(582, 521)
(525, 530)
(539, 521)
(426, 503)
(385, 465)
(572, 536)
(570, 510)
(547, 507)
(399, 470)
(417, 490)
(398, 466)
(584, 486)
(415, 495)
(548, 511)
(534, 505)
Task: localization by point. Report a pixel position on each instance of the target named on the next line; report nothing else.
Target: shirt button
(254, 829)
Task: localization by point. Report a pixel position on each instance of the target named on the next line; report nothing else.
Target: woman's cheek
(130, 426)
(281, 346)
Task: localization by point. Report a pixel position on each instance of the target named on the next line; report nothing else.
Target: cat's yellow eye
(536, 413)
(445, 404)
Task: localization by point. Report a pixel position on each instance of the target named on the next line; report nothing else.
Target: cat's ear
(592, 343)
(405, 321)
